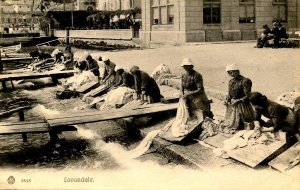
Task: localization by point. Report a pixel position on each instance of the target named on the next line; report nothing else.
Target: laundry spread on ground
(245, 138)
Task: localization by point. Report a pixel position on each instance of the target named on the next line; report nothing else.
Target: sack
(66, 94)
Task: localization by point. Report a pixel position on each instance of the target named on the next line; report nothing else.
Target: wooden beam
(87, 87)
(96, 116)
(7, 113)
(31, 75)
(30, 127)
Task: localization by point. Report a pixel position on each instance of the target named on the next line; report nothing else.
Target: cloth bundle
(79, 79)
(117, 97)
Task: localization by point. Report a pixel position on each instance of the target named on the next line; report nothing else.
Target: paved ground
(273, 71)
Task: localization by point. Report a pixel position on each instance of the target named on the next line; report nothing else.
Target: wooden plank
(86, 87)
(31, 75)
(283, 161)
(99, 91)
(89, 117)
(112, 111)
(9, 112)
(254, 155)
(24, 123)
(193, 128)
(30, 127)
(249, 155)
(217, 141)
(19, 129)
(16, 59)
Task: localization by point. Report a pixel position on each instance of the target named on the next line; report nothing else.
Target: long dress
(143, 82)
(242, 113)
(199, 101)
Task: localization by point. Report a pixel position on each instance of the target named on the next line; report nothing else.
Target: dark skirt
(240, 116)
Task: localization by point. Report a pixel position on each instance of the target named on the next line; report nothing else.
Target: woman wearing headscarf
(239, 109)
(145, 85)
(280, 117)
(193, 92)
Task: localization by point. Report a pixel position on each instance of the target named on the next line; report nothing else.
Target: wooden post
(1, 64)
(12, 84)
(3, 85)
(54, 80)
(22, 118)
(67, 35)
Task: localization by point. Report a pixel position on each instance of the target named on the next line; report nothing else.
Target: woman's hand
(234, 102)
(185, 96)
(227, 100)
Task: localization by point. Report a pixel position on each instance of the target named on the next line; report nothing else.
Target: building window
(131, 3)
(279, 10)
(247, 11)
(162, 12)
(211, 11)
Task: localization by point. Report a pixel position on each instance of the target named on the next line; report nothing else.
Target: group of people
(277, 33)
(46, 61)
(115, 76)
(245, 108)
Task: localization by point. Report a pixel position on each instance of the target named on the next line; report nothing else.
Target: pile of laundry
(79, 79)
(117, 98)
(162, 72)
(245, 138)
(209, 129)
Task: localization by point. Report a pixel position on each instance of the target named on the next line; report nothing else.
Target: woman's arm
(247, 84)
(199, 83)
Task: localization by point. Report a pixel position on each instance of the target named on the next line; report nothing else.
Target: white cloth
(116, 96)
(80, 79)
(178, 128)
(159, 71)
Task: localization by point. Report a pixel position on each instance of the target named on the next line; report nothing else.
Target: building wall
(96, 34)
(112, 5)
(86, 4)
(238, 21)
(18, 19)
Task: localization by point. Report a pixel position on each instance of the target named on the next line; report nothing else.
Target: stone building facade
(180, 21)
(16, 16)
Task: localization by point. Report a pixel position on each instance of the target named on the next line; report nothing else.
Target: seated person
(281, 117)
(261, 42)
(275, 35)
(68, 58)
(282, 31)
